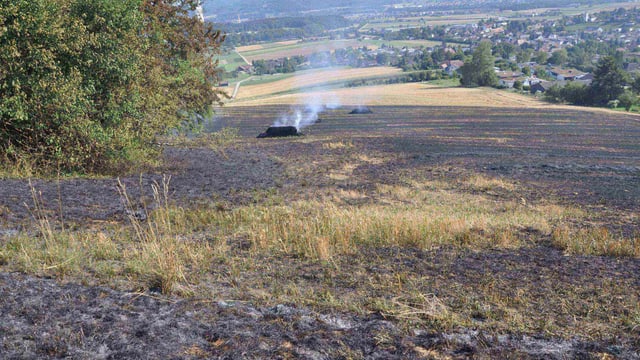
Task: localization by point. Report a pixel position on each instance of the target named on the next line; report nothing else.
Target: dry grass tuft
(408, 216)
(418, 306)
(159, 256)
(338, 145)
(22, 168)
(482, 183)
(152, 252)
(598, 241)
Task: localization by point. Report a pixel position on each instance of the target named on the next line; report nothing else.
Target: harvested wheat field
(411, 94)
(445, 224)
(282, 49)
(308, 80)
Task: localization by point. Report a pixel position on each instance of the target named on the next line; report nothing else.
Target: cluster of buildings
(539, 33)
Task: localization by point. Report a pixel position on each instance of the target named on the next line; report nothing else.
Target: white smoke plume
(318, 98)
(302, 116)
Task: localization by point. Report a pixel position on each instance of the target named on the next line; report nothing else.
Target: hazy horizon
(228, 11)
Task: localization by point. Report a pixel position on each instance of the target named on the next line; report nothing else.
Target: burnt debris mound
(280, 131)
(361, 110)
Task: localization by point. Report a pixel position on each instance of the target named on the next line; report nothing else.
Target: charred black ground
(361, 110)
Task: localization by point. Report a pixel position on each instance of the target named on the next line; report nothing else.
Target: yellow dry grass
(408, 94)
(256, 47)
(308, 79)
(249, 48)
(411, 94)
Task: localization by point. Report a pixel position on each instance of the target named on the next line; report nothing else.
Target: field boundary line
(242, 56)
(235, 90)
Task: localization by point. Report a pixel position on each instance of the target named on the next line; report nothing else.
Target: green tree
(523, 56)
(504, 49)
(517, 85)
(636, 84)
(628, 99)
(44, 105)
(559, 57)
(554, 94)
(479, 70)
(541, 57)
(88, 84)
(541, 72)
(608, 81)
(576, 93)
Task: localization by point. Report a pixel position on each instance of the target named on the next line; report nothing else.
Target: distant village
(533, 53)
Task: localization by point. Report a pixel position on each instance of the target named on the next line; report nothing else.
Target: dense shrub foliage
(607, 89)
(86, 85)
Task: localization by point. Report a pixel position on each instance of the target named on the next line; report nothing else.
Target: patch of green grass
(453, 82)
(230, 62)
(265, 79)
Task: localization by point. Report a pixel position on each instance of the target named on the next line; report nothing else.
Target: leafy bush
(573, 93)
(627, 99)
(87, 85)
(553, 94)
(577, 93)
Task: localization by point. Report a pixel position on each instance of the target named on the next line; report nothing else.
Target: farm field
(268, 86)
(278, 50)
(446, 223)
(410, 94)
(395, 24)
(398, 23)
(581, 9)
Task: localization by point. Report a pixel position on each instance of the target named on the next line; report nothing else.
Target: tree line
(284, 28)
(609, 86)
(87, 85)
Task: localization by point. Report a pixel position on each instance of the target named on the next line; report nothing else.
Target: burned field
(406, 232)
(574, 155)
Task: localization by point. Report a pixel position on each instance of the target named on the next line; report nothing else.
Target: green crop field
(230, 62)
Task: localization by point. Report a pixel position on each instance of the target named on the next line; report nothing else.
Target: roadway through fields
(235, 90)
(243, 58)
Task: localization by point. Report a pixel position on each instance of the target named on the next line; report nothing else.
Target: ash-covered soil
(196, 175)
(42, 318)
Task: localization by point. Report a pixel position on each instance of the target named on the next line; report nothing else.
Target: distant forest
(280, 28)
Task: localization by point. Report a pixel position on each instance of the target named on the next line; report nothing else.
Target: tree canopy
(88, 84)
(608, 80)
(479, 71)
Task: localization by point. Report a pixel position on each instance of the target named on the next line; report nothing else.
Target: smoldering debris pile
(361, 110)
(280, 131)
